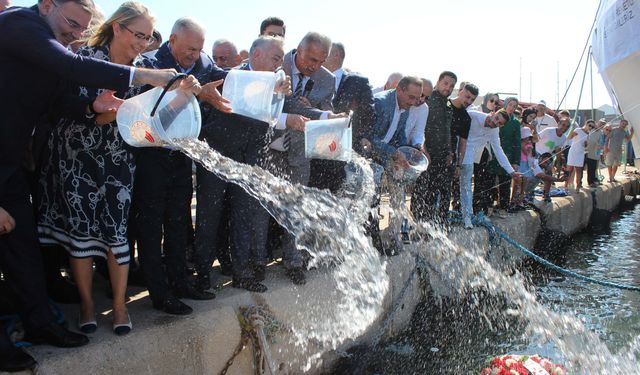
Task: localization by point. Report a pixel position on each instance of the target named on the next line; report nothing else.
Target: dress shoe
(123, 328)
(15, 359)
(172, 305)
(259, 272)
(191, 292)
(56, 335)
(250, 284)
(88, 327)
(296, 275)
(203, 282)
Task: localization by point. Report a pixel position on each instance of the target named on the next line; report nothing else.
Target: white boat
(616, 51)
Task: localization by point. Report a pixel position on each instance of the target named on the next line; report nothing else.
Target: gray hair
(315, 37)
(340, 48)
(221, 42)
(263, 42)
(187, 24)
(409, 80)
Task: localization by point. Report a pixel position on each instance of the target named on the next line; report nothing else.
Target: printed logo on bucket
(142, 132)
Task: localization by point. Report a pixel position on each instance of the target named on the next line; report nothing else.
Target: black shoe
(191, 292)
(56, 335)
(172, 305)
(250, 284)
(259, 272)
(296, 275)
(203, 282)
(15, 359)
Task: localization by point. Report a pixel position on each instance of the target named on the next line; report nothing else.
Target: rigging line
(595, 18)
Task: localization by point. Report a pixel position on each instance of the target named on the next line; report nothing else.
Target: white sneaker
(467, 223)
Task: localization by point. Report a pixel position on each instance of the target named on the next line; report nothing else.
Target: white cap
(542, 102)
(525, 132)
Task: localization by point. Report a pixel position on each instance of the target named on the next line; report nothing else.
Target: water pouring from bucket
(154, 118)
(328, 139)
(417, 161)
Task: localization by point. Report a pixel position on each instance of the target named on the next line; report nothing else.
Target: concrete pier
(205, 341)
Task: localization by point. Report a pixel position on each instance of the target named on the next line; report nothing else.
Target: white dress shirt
(416, 123)
(479, 135)
(394, 123)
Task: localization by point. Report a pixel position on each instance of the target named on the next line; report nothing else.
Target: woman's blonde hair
(125, 15)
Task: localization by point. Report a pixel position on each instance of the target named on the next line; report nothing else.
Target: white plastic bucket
(152, 119)
(252, 94)
(328, 139)
(418, 163)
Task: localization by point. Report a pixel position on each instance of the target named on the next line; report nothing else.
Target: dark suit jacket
(205, 70)
(32, 65)
(239, 137)
(354, 94)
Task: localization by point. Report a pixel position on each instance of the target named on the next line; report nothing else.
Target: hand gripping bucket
(155, 117)
(418, 163)
(328, 139)
(251, 94)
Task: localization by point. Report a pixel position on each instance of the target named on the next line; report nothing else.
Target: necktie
(397, 136)
(298, 90)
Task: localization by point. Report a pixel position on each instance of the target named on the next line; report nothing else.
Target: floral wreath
(522, 365)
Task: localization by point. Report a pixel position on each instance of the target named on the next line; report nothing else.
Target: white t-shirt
(549, 141)
(544, 122)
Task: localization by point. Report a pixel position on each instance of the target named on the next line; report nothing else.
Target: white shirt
(549, 140)
(416, 123)
(479, 135)
(338, 73)
(544, 122)
(394, 123)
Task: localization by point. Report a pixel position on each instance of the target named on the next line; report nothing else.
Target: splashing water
(330, 229)
(465, 270)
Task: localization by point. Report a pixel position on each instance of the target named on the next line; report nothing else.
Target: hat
(542, 102)
(525, 132)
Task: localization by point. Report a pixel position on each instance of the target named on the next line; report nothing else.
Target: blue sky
(481, 41)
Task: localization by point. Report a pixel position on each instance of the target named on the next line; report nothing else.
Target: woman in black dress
(86, 185)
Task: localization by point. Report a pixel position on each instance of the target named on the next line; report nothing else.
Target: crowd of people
(69, 181)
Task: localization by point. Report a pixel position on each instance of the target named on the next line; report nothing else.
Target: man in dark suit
(241, 139)
(353, 93)
(33, 63)
(163, 186)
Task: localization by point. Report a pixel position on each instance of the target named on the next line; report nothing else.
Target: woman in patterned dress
(86, 185)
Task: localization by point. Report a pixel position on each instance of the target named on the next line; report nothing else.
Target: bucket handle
(166, 88)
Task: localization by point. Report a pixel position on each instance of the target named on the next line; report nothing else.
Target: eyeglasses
(149, 39)
(73, 24)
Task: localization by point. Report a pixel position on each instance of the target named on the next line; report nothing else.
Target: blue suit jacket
(33, 64)
(385, 104)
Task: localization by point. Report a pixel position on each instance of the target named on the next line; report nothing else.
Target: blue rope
(481, 220)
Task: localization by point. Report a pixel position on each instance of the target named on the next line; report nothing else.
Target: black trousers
(20, 258)
(483, 182)
(431, 196)
(592, 167)
(504, 190)
(162, 210)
